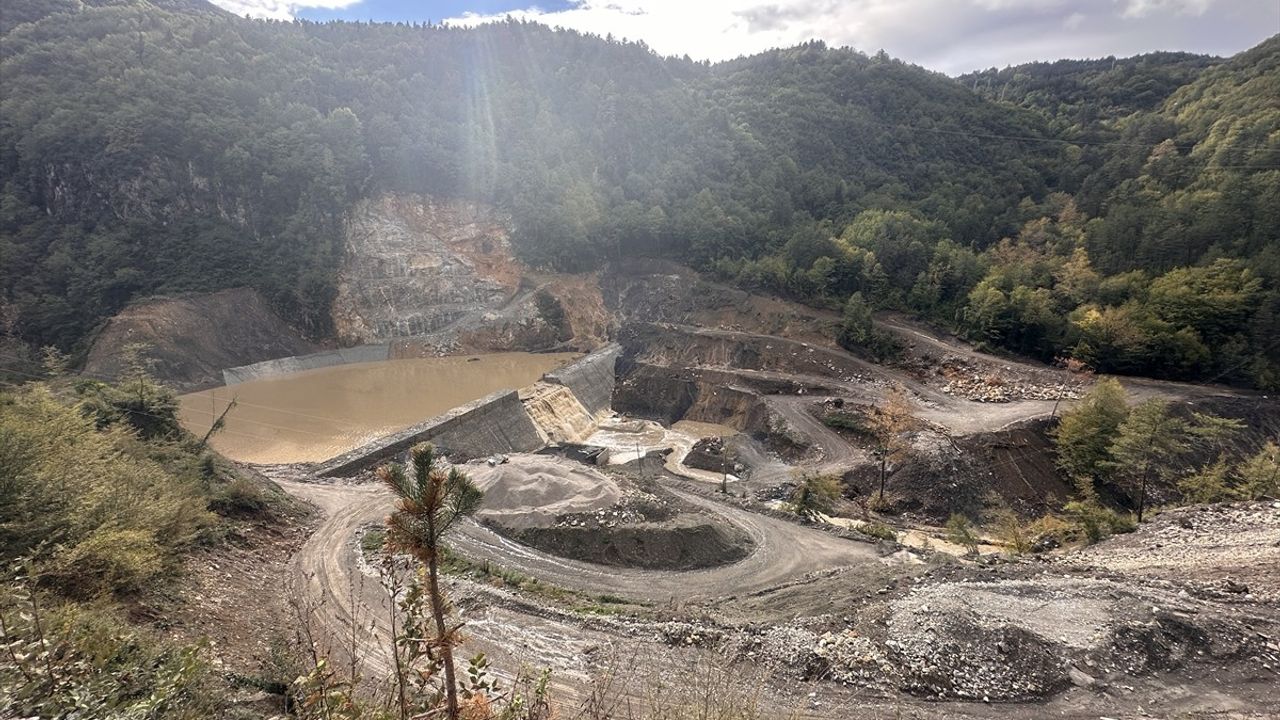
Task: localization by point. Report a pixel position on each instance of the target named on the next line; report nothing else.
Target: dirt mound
(534, 490)
(662, 291)
(711, 454)
(1028, 639)
(1011, 468)
(193, 338)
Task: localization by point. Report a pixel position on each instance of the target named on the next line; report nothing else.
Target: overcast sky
(952, 36)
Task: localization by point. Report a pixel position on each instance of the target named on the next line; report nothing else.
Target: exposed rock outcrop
(435, 276)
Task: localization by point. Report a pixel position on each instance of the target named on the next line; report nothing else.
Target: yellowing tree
(889, 425)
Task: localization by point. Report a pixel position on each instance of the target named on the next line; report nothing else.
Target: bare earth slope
(194, 337)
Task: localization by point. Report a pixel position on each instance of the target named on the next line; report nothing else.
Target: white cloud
(279, 9)
(952, 36)
(1143, 8)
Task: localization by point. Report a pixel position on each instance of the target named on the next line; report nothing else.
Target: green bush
(816, 494)
(240, 498)
(120, 560)
(1095, 522)
(96, 512)
(842, 420)
(75, 661)
(960, 531)
(878, 530)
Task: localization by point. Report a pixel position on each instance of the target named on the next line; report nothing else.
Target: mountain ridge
(149, 150)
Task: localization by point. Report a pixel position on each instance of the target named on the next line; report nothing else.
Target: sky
(950, 36)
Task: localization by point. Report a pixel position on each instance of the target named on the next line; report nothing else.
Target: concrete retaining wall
(286, 365)
(497, 423)
(590, 378)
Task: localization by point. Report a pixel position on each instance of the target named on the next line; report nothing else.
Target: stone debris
(992, 383)
(1003, 640)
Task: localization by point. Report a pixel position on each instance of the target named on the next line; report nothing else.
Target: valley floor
(1179, 619)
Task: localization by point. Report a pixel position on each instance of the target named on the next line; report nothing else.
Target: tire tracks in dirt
(351, 609)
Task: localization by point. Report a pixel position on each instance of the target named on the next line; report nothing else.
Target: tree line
(1122, 213)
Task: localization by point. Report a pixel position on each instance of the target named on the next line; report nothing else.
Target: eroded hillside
(193, 338)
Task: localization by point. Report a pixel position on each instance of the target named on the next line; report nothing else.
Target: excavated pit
(577, 512)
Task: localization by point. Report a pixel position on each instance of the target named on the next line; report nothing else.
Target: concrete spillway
(591, 379)
(557, 413)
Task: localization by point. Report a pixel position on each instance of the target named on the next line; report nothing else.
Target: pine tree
(427, 505)
(1151, 441)
(1260, 475)
(1085, 432)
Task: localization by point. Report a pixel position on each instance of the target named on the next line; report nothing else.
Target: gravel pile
(535, 490)
(1232, 550)
(981, 382)
(636, 506)
(985, 388)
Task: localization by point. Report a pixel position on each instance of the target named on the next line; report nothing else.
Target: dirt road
(327, 572)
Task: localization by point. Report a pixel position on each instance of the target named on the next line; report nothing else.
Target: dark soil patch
(1011, 468)
(687, 542)
(711, 454)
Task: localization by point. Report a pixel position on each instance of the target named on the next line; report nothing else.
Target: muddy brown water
(313, 415)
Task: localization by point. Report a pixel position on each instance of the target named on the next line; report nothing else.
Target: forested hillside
(1122, 212)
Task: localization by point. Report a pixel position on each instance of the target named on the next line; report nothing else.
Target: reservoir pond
(313, 415)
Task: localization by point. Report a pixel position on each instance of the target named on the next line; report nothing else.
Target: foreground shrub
(878, 530)
(1094, 522)
(87, 503)
(78, 662)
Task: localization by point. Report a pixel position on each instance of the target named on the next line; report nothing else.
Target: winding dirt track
(326, 571)
(784, 551)
(350, 609)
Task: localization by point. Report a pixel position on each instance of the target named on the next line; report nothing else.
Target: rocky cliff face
(437, 276)
(416, 267)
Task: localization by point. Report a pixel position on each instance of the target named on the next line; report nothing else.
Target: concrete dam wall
(498, 423)
(296, 363)
(591, 378)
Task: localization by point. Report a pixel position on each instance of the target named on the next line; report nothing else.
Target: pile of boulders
(971, 381)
